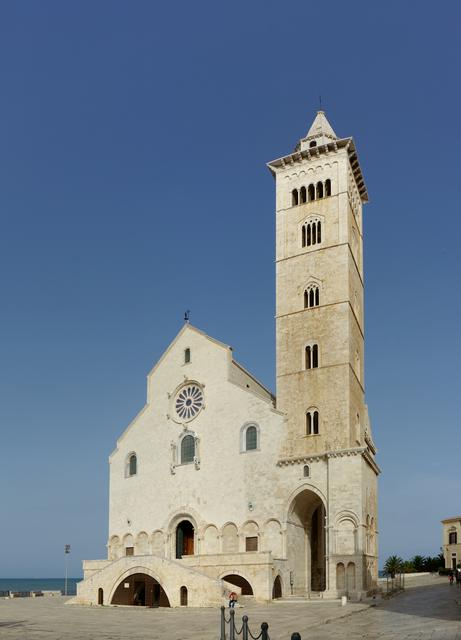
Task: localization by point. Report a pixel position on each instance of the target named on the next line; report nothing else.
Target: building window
(186, 356)
(312, 144)
(311, 233)
(187, 449)
(311, 297)
(453, 538)
(327, 188)
(249, 437)
(131, 468)
(306, 471)
(312, 422)
(294, 197)
(311, 356)
(302, 194)
(311, 192)
(129, 551)
(319, 190)
(183, 596)
(251, 544)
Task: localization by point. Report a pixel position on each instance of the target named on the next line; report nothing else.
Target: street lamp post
(66, 553)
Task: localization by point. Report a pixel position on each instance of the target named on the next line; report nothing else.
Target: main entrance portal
(140, 590)
(306, 543)
(184, 539)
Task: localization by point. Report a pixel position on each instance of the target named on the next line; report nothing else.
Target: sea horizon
(40, 584)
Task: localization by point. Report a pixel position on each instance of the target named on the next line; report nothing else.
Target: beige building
(217, 484)
(451, 542)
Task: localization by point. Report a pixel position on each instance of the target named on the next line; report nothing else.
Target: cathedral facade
(217, 485)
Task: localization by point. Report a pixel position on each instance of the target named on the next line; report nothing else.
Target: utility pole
(66, 553)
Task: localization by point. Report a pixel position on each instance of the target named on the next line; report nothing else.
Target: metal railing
(244, 630)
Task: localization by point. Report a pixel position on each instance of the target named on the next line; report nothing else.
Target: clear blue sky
(133, 186)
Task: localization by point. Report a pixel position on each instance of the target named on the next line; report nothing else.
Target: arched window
(186, 356)
(306, 471)
(319, 190)
(311, 233)
(302, 194)
(251, 438)
(453, 537)
(311, 356)
(132, 465)
(294, 197)
(187, 449)
(311, 193)
(327, 188)
(311, 297)
(312, 422)
(183, 596)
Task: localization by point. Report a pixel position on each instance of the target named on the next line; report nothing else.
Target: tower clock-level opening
(306, 542)
(184, 539)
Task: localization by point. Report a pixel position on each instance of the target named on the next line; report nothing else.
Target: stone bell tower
(320, 191)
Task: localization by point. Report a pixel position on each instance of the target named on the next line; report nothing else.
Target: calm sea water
(39, 584)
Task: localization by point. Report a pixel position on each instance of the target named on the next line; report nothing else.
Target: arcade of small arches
(311, 193)
(184, 539)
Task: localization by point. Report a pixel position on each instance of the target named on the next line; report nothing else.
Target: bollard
(295, 636)
(343, 601)
(245, 628)
(264, 634)
(232, 624)
(223, 624)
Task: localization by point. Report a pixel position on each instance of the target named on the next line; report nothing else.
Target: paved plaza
(432, 611)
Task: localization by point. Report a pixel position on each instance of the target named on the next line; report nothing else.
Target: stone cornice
(315, 152)
(325, 455)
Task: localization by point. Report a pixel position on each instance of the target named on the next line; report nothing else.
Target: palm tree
(420, 563)
(393, 565)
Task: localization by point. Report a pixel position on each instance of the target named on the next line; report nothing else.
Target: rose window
(189, 402)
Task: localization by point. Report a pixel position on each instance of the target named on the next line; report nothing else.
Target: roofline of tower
(315, 152)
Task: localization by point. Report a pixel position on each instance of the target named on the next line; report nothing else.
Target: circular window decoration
(189, 402)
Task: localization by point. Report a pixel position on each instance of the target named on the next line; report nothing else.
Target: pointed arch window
(311, 232)
(311, 297)
(312, 422)
(311, 356)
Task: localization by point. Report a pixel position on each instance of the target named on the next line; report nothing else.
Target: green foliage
(418, 563)
(393, 565)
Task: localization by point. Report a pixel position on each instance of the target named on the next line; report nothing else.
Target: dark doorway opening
(277, 588)
(184, 539)
(140, 590)
(100, 596)
(183, 596)
(244, 585)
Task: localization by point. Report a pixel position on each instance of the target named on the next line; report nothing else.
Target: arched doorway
(239, 581)
(184, 539)
(100, 596)
(306, 542)
(277, 588)
(140, 590)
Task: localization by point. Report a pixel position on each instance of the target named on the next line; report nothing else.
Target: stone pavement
(431, 612)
